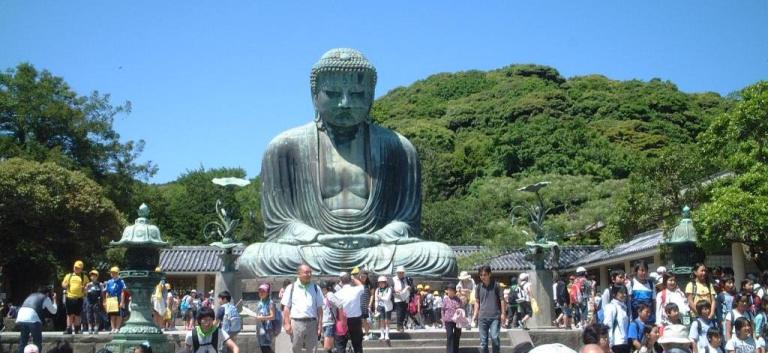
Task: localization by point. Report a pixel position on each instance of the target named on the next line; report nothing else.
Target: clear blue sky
(212, 82)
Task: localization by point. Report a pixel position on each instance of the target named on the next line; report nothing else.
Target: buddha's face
(343, 99)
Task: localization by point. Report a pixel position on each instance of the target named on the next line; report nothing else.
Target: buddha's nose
(344, 102)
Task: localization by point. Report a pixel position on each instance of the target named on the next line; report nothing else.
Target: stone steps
(417, 341)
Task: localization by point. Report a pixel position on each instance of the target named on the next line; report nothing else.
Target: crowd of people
(639, 312)
(649, 312)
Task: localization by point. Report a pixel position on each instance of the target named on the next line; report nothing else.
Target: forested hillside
(481, 135)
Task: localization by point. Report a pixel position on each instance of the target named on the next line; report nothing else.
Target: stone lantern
(142, 243)
(682, 242)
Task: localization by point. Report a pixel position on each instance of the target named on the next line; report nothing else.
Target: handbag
(113, 305)
(341, 324)
(534, 306)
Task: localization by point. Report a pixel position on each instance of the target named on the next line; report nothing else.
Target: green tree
(738, 209)
(49, 217)
(43, 119)
(191, 201)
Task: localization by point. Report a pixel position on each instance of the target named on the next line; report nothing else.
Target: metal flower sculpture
(537, 214)
(224, 229)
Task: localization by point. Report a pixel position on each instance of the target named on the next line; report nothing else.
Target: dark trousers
(401, 308)
(621, 348)
(30, 328)
(454, 334)
(354, 334)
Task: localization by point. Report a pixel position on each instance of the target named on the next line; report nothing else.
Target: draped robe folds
(295, 215)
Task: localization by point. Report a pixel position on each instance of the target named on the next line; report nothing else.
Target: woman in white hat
(383, 299)
(465, 288)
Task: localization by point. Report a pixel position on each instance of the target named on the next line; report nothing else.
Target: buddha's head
(343, 83)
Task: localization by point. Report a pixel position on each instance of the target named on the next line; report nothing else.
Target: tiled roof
(641, 242)
(514, 260)
(201, 258)
(466, 250)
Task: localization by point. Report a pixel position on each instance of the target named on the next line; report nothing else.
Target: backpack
(563, 298)
(513, 295)
(276, 324)
(184, 306)
(232, 322)
(585, 291)
(214, 341)
(413, 306)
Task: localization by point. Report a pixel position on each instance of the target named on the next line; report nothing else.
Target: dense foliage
(738, 208)
(43, 119)
(525, 123)
(50, 216)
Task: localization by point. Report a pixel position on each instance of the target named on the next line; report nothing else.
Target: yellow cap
(94, 272)
(420, 287)
(167, 286)
(114, 269)
(426, 287)
(502, 285)
(158, 269)
(79, 264)
(356, 270)
(435, 293)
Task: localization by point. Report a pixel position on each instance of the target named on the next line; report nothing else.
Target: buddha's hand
(349, 241)
(289, 241)
(408, 240)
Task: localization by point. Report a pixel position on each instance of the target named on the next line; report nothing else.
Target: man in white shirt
(402, 293)
(303, 303)
(31, 317)
(348, 299)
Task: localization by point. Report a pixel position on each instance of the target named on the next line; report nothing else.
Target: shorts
(329, 331)
(566, 310)
(525, 309)
(384, 314)
(73, 306)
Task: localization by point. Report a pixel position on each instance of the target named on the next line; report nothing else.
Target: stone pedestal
(541, 291)
(229, 278)
(140, 327)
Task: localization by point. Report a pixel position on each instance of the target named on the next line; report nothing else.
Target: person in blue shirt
(636, 331)
(114, 290)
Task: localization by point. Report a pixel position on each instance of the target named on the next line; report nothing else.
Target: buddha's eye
(332, 94)
(358, 95)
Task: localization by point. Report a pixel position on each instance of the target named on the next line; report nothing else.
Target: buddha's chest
(344, 180)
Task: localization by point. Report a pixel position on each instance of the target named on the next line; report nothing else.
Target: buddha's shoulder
(392, 137)
(292, 137)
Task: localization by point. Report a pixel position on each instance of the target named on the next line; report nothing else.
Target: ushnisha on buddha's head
(343, 83)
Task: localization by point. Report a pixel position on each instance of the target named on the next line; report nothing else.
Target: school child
(671, 294)
(636, 331)
(642, 289)
(617, 320)
(701, 325)
(700, 288)
(741, 309)
(715, 341)
(725, 300)
(207, 338)
(741, 341)
(761, 317)
(438, 309)
(673, 314)
(747, 290)
(384, 306)
(330, 312)
(228, 317)
(650, 342)
(94, 291)
(266, 312)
